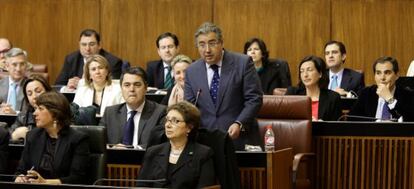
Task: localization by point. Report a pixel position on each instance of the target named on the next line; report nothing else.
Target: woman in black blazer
(54, 153)
(273, 74)
(181, 162)
(313, 82)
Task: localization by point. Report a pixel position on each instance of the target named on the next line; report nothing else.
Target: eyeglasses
(211, 44)
(174, 121)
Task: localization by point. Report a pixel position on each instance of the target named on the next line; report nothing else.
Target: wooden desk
(8, 118)
(364, 155)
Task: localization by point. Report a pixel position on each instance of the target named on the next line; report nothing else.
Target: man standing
(11, 87)
(89, 44)
(159, 72)
(224, 86)
(385, 100)
(137, 121)
(342, 80)
(5, 46)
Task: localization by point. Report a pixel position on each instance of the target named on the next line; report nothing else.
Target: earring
(55, 124)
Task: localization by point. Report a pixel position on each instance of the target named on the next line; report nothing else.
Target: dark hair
(89, 33)
(165, 35)
(135, 71)
(262, 46)
(384, 59)
(320, 66)
(103, 62)
(57, 105)
(341, 46)
(39, 78)
(190, 114)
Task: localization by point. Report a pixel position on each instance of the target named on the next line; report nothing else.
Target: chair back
(291, 118)
(41, 68)
(97, 147)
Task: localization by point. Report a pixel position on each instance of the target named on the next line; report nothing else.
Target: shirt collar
(339, 74)
(139, 109)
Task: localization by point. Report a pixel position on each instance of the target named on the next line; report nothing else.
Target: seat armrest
(298, 158)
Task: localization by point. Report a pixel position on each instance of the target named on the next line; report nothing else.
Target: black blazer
(352, 80)
(155, 74)
(4, 149)
(71, 155)
(275, 74)
(73, 66)
(194, 168)
(329, 108)
(367, 103)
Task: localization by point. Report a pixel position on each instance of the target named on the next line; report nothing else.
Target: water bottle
(269, 139)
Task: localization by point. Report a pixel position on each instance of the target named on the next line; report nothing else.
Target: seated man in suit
(159, 72)
(385, 100)
(342, 80)
(137, 121)
(11, 93)
(89, 44)
(5, 46)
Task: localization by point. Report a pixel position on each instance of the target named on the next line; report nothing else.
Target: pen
(31, 169)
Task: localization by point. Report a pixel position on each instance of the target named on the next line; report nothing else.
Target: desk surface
(349, 128)
(46, 186)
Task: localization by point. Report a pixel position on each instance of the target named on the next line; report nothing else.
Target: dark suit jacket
(329, 108)
(4, 149)
(275, 74)
(4, 92)
(71, 155)
(239, 95)
(367, 103)
(352, 80)
(155, 74)
(73, 66)
(194, 168)
(150, 124)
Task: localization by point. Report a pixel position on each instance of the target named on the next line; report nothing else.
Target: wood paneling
(291, 29)
(47, 29)
(130, 28)
(374, 28)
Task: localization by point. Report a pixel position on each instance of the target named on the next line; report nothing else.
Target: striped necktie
(168, 83)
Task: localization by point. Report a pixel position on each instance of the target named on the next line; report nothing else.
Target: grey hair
(206, 28)
(16, 52)
(181, 58)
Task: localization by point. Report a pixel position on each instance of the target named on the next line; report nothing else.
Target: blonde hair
(102, 61)
(181, 58)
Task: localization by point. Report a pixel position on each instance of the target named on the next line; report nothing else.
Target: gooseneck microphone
(197, 96)
(365, 118)
(131, 180)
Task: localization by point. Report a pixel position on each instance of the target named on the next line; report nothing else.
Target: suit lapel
(161, 159)
(39, 148)
(185, 157)
(160, 74)
(145, 116)
(226, 74)
(60, 150)
(346, 79)
(323, 98)
(121, 119)
(205, 90)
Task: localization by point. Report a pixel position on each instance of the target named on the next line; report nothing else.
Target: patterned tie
(129, 129)
(168, 83)
(334, 83)
(214, 83)
(385, 112)
(13, 96)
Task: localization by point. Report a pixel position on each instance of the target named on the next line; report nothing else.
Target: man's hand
(383, 91)
(341, 91)
(73, 83)
(234, 131)
(6, 109)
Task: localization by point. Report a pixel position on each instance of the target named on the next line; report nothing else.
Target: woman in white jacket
(97, 87)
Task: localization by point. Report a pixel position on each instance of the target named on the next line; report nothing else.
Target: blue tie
(214, 83)
(129, 129)
(168, 83)
(13, 96)
(385, 112)
(334, 83)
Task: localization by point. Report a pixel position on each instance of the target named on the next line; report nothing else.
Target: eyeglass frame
(210, 44)
(174, 121)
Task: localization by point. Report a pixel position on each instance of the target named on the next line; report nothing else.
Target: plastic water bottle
(269, 139)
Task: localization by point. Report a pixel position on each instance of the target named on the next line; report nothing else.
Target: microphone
(131, 180)
(197, 96)
(365, 118)
(8, 177)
